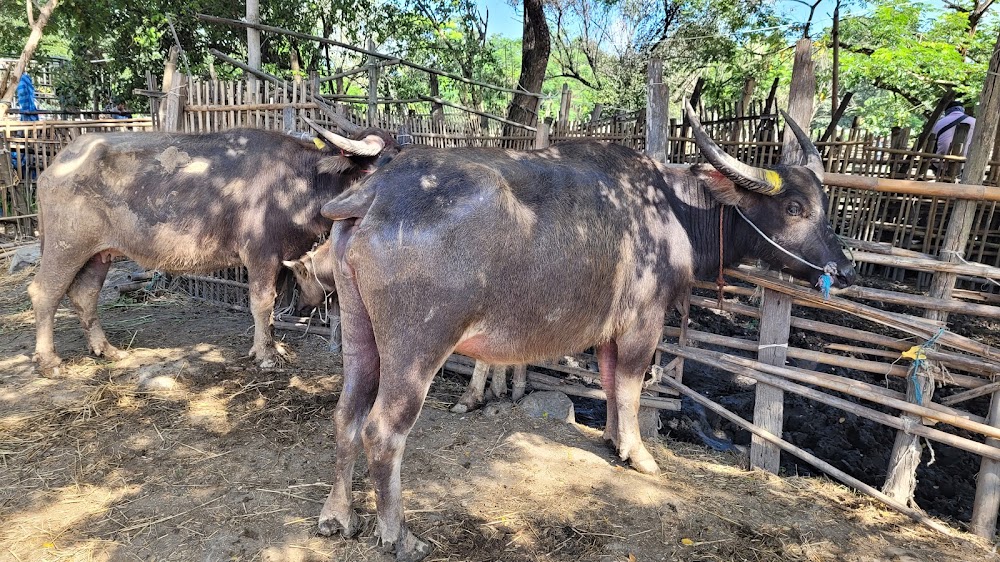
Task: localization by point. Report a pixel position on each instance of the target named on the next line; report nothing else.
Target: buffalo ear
(334, 165)
(721, 187)
(296, 266)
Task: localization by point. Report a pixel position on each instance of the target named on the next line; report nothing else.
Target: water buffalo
(314, 276)
(185, 203)
(515, 257)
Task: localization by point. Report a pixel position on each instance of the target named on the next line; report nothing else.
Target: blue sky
(506, 20)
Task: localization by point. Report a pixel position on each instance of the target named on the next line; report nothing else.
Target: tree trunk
(253, 40)
(906, 452)
(800, 101)
(10, 88)
(535, 46)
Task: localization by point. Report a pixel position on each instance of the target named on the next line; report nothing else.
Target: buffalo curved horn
(814, 161)
(743, 175)
(371, 145)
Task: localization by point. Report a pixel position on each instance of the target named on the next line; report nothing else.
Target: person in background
(26, 97)
(944, 128)
(122, 111)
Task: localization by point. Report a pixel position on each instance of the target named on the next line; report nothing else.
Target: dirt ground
(186, 451)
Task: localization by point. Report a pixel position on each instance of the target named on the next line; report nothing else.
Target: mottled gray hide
(519, 257)
(181, 203)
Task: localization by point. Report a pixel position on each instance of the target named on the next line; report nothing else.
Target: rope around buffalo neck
(829, 270)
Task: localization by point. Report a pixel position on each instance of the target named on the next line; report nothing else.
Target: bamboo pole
(812, 459)
(903, 424)
(477, 112)
(987, 502)
(920, 327)
(863, 390)
(325, 41)
(913, 187)
(931, 265)
(874, 367)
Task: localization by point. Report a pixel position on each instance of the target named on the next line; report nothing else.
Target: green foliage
(902, 57)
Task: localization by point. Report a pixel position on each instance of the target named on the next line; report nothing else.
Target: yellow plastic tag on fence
(915, 352)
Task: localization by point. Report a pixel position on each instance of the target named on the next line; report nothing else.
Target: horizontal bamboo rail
(869, 392)
(911, 187)
(954, 360)
(811, 459)
(919, 327)
(967, 445)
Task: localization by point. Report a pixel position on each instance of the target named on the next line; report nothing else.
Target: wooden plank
(775, 313)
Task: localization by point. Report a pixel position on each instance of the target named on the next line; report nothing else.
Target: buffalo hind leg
(263, 280)
(83, 294)
(623, 363)
(404, 385)
(54, 276)
(361, 383)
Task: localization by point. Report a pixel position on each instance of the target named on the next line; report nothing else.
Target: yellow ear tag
(914, 353)
(774, 179)
(319, 144)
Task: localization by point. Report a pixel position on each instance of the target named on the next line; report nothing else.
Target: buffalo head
(314, 275)
(786, 204)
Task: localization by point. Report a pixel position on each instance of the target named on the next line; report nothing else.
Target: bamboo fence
(893, 224)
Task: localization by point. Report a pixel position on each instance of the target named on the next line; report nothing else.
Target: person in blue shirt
(26, 97)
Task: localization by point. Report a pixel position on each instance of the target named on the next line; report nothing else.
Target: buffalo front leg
(498, 384)
(54, 276)
(519, 381)
(263, 278)
(472, 398)
(83, 294)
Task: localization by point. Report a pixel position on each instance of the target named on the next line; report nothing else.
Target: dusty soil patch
(218, 460)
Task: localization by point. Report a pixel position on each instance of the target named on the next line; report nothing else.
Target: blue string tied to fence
(918, 356)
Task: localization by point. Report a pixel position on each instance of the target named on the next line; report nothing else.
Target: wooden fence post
(800, 100)
(769, 405)
(173, 114)
(542, 133)
(372, 86)
(437, 110)
(168, 78)
(564, 104)
(657, 112)
(987, 503)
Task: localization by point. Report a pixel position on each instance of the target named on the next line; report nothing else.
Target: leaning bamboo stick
(970, 394)
(910, 324)
(863, 390)
(950, 359)
(811, 459)
(874, 367)
(920, 301)
(894, 422)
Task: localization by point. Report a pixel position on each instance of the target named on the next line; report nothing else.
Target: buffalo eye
(794, 209)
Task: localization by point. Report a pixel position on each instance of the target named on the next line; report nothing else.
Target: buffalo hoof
(407, 549)
(460, 408)
(47, 365)
(330, 527)
(111, 353)
(645, 464)
(272, 357)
